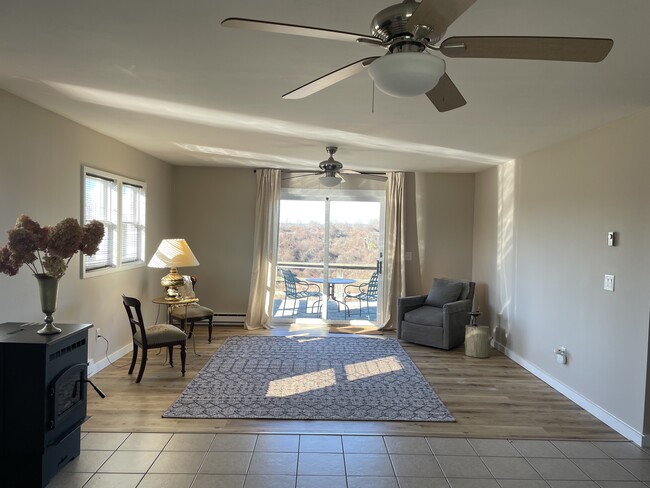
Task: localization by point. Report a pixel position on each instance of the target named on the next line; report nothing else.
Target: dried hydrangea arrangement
(48, 250)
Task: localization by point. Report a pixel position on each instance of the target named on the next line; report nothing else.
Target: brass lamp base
(171, 282)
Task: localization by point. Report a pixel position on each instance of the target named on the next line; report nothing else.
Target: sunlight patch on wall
(301, 383)
(366, 369)
(247, 157)
(219, 118)
(506, 259)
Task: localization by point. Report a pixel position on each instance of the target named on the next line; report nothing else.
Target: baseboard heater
(229, 318)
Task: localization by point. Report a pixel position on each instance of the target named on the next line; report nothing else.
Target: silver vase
(48, 288)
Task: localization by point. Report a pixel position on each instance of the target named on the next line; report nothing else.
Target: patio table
(331, 283)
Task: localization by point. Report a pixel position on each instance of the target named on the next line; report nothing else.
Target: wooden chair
(151, 336)
(195, 312)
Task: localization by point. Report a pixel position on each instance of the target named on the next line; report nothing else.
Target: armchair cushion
(443, 291)
(425, 315)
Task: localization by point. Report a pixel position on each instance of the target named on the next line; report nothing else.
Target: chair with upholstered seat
(195, 312)
(364, 292)
(439, 318)
(153, 336)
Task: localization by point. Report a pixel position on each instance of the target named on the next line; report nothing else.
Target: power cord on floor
(99, 336)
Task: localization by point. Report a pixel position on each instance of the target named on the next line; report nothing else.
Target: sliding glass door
(329, 256)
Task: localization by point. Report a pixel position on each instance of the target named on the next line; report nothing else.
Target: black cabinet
(42, 400)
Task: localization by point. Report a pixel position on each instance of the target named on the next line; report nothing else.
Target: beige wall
(540, 254)
(439, 228)
(216, 215)
(41, 155)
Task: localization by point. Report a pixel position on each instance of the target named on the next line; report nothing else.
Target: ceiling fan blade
(579, 49)
(445, 96)
(329, 79)
(373, 176)
(438, 15)
(364, 174)
(297, 30)
(292, 174)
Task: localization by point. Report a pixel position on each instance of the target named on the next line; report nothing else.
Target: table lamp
(172, 254)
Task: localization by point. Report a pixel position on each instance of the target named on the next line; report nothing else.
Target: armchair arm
(404, 305)
(457, 307)
(454, 318)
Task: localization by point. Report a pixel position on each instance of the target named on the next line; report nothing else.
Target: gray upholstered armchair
(439, 318)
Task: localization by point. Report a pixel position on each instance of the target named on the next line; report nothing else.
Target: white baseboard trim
(96, 367)
(601, 414)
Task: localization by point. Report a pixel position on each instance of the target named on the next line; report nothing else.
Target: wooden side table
(477, 341)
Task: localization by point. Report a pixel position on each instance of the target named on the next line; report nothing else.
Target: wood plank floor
(491, 397)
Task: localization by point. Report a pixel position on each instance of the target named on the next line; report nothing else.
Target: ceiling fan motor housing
(330, 166)
(391, 21)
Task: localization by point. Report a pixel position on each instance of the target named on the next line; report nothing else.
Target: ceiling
(165, 77)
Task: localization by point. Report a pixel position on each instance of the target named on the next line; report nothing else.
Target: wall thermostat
(611, 238)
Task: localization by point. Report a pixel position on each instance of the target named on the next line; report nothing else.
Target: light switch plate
(609, 282)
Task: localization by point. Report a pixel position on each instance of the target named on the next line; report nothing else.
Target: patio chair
(364, 292)
(295, 289)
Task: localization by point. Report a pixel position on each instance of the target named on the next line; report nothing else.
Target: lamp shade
(406, 74)
(329, 181)
(173, 253)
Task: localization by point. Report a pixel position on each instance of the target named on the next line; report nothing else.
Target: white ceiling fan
(412, 33)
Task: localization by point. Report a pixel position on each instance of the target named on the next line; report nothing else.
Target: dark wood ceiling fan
(416, 29)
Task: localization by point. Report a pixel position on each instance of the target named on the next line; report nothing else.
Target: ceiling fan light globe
(329, 181)
(406, 74)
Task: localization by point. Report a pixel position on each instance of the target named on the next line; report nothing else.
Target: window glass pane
(100, 204)
(133, 210)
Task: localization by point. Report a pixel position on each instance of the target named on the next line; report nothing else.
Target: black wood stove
(42, 401)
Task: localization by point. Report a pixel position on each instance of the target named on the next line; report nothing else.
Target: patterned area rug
(354, 329)
(315, 378)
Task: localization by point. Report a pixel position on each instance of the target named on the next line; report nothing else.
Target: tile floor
(330, 461)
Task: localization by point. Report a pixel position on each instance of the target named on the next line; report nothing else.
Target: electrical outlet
(609, 282)
(561, 355)
(98, 333)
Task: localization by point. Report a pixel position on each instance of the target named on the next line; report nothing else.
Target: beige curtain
(267, 206)
(394, 279)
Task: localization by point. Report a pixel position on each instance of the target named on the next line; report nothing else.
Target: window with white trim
(120, 204)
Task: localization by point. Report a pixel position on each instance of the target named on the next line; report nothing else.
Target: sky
(305, 211)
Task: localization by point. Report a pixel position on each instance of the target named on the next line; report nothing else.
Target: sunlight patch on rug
(315, 378)
(301, 383)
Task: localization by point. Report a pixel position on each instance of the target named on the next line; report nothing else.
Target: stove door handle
(99, 392)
